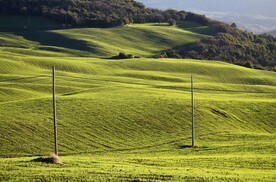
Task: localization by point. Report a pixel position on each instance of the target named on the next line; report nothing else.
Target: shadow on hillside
(47, 38)
(155, 37)
(161, 25)
(196, 28)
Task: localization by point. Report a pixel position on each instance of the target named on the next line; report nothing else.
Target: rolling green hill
(141, 40)
(124, 104)
(130, 119)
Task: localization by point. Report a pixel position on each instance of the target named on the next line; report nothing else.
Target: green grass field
(144, 40)
(130, 120)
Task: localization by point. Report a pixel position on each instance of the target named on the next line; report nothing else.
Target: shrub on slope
(234, 46)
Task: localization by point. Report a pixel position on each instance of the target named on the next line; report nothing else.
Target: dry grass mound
(52, 159)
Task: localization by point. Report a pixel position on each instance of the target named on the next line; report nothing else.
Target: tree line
(233, 46)
(100, 13)
(94, 13)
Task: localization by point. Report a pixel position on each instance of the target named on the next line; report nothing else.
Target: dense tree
(172, 22)
(99, 13)
(233, 25)
(236, 46)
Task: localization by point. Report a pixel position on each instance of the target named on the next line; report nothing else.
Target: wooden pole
(193, 111)
(54, 112)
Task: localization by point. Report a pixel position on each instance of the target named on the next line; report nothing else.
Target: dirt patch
(52, 159)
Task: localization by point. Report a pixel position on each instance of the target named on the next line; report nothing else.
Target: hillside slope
(121, 104)
(131, 119)
(118, 105)
(138, 39)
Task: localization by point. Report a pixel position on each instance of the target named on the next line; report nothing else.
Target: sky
(254, 15)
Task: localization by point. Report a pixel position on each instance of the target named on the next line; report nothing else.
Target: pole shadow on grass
(197, 148)
(48, 38)
(185, 146)
(52, 159)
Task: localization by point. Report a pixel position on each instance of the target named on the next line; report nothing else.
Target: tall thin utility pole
(54, 112)
(193, 111)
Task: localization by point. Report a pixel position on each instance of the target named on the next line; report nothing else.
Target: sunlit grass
(131, 119)
(139, 39)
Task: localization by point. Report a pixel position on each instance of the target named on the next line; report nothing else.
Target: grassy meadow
(130, 120)
(143, 40)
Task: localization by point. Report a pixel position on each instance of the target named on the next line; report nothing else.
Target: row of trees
(91, 13)
(101, 12)
(97, 13)
(235, 46)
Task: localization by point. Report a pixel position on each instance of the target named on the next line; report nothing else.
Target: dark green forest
(92, 13)
(229, 44)
(234, 46)
(99, 13)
